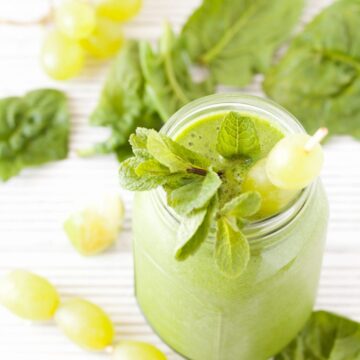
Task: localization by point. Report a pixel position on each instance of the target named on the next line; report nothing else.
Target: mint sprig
(196, 191)
(238, 137)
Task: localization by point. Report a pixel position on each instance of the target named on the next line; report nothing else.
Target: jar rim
(259, 231)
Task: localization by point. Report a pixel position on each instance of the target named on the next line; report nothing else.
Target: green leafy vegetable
(232, 250)
(237, 39)
(124, 104)
(130, 180)
(194, 230)
(318, 79)
(194, 191)
(196, 194)
(159, 148)
(167, 72)
(325, 336)
(34, 129)
(244, 205)
(237, 137)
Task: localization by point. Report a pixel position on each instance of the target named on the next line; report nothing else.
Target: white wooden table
(33, 205)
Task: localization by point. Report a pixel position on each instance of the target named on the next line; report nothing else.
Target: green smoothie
(201, 137)
(194, 308)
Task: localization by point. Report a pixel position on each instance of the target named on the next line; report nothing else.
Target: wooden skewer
(316, 139)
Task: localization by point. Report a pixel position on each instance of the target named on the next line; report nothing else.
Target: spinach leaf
(237, 39)
(124, 105)
(169, 83)
(34, 129)
(325, 336)
(318, 79)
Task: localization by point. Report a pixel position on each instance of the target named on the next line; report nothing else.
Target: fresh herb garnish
(237, 39)
(318, 78)
(237, 137)
(326, 336)
(194, 191)
(34, 129)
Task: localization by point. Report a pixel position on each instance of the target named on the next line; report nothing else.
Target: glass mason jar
(204, 315)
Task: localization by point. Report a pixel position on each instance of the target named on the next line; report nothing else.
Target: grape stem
(316, 139)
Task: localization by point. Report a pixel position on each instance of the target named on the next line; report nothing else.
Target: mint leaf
(237, 137)
(138, 142)
(158, 147)
(243, 206)
(151, 168)
(325, 336)
(196, 194)
(318, 78)
(232, 251)
(173, 155)
(34, 130)
(194, 230)
(130, 180)
(237, 39)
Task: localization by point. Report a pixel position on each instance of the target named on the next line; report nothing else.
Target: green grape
(95, 228)
(85, 324)
(290, 166)
(28, 296)
(136, 350)
(75, 19)
(119, 10)
(106, 39)
(62, 58)
(273, 198)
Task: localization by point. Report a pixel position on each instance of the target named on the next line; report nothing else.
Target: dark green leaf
(124, 104)
(196, 194)
(237, 137)
(232, 251)
(325, 336)
(194, 230)
(318, 79)
(236, 39)
(243, 206)
(167, 72)
(34, 130)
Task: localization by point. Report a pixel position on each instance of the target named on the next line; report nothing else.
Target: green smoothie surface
(201, 136)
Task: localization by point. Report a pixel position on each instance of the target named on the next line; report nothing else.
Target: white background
(33, 205)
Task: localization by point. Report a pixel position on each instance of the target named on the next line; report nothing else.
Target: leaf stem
(340, 57)
(197, 171)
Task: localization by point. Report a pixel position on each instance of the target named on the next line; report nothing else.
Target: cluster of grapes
(293, 163)
(33, 298)
(84, 28)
